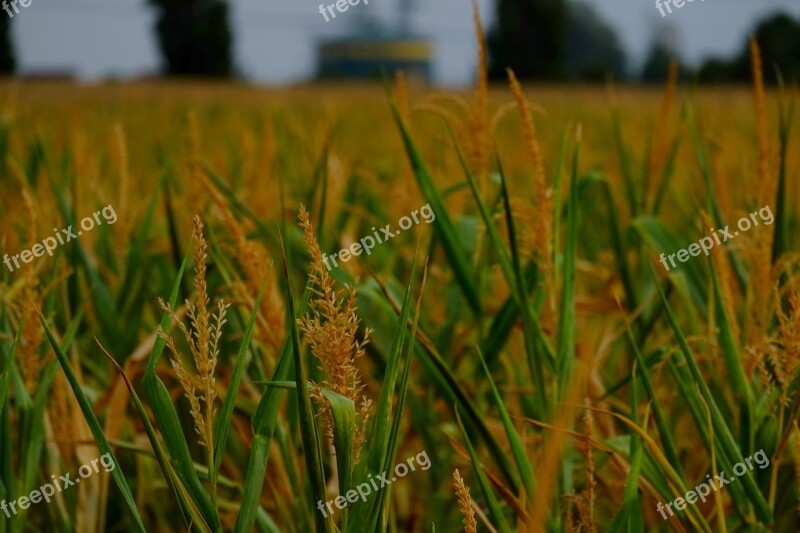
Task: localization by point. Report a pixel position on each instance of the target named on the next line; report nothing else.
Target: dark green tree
(593, 50)
(7, 61)
(656, 66)
(779, 39)
(529, 36)
(662, 52)
(195, 37)
(716, 70)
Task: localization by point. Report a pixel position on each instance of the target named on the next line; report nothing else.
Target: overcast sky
(276, 39)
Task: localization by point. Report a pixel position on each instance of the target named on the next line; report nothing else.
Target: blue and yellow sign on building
(363, 57)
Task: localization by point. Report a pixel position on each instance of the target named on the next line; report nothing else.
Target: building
(362, 57)
(371, 46)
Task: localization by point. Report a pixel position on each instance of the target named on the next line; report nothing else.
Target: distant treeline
(560, 40)
(194, 37)
(554, 40)
(779, 39)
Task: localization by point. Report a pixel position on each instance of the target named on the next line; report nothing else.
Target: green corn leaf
(726, 445)
(264, 423)
(394, 439)
(687, 278)
(181, 495)
(517, 448)
(454, 249)
(631, 495)
(566, 322)
(343, 411)
(101, 295)
(619, 244)
(94, 426)
(733, 365)
(167, 418)
(711, 198)
(380, 431)
(625, 164)
(557, 206)
(312, 444)
(137, 253)
(670, 450)
(224, 420)
(491, 500)
(666, 175)
(503, 323)
(448, 385)
(782, 229)
(531, 328)
(5, 366)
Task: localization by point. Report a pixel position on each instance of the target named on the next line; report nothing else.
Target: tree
(7, 61)
(529, 36)
(779, 39)
(656, 66)
(593, 50)
(715, 70)
(195, 37)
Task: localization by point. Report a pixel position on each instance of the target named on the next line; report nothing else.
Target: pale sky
(275, 39)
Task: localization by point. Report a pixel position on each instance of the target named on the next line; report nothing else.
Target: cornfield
(527, 342)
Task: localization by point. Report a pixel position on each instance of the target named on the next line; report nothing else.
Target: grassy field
(526, 354)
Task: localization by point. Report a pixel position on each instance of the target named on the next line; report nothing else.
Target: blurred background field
(249, 134)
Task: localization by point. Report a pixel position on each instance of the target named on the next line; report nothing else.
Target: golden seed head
(464, 503)
(330, 328)
(542, 198)
(203, 340)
